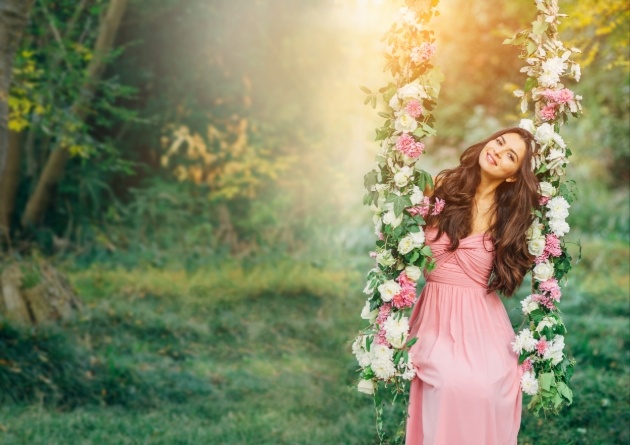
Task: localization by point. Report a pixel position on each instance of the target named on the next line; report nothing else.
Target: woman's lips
(491, 159)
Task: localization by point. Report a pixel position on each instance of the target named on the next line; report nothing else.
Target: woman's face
(502, 157)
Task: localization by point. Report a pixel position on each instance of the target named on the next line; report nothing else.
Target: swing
(394, 193)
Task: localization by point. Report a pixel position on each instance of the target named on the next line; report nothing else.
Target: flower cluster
(395, 193)
(540, 345)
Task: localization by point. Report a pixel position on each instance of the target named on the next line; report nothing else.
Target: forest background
(194, 171)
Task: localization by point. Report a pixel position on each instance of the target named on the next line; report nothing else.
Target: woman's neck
(486, 189)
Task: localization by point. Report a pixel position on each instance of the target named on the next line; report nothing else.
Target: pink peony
(544, 300)
(423, 52)
(381, 236)
(439, 206)
(548, 112)
(552, 288)
(372, 254)
(405, 281)
(420, 209)
(527, 365)
(413, 108)
(405, 298)
(383, 313)
(543, 200)
(381, 338)
(541, 346)
(407, 145)
(558, 97)
(552, 245)
(541, 258)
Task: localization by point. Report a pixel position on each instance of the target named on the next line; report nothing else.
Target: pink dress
(467, 385)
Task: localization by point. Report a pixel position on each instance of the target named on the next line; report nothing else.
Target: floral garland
(395, 194)
(540, 344)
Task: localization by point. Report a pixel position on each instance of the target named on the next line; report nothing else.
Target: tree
(58, 158)
(13, 19)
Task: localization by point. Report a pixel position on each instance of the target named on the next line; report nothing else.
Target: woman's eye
(511, 157)
(498, 141)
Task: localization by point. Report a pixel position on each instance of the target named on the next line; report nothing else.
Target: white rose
(543, 271)
(558, 208)
(413, 272)
(401, 178)
(405, 245)
(390, 218)
(536, 246)
(546, 322)
(528, 125)
(417, 196)
(417, 237)
(405, 123)
(559, 226)
(528, 305)
(546, 189)
(535, 230)
(366, 314)
(385, 258)
(412, 90)
(394, 103)
(544, 134)
(388, 289)
(366, 386)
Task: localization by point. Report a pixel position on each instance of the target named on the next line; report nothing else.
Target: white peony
(559, 226)
(548, 80)
(524, 341)
(528, 125)
(406, 245)
(381, 361)
(396, 330)
(360, 352)
(416, 196)
(529, 383)
(417, 237)
(405, 123)
(366, 314)
(543, 271)
(558, 208)
(554, 350)
(385, 258)
(528, 305)
(554, 66)
(388, 289)
(366, 386)
(413, 272)
(544, 134)
(536, 246)
(401, 178)
(546, 189)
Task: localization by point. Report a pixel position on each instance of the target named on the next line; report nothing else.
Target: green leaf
(366, 90)
(400, 202)
(546, 380)
(565, 391)
(539, 27)
(530, 83)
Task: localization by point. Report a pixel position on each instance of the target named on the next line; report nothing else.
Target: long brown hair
(513, 203)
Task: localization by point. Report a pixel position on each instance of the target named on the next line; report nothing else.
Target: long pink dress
(467, 385)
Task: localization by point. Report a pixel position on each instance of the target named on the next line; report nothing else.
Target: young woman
(467, 385)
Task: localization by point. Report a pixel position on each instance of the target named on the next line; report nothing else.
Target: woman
(467, 385)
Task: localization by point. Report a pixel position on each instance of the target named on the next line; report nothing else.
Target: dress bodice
(468, 266)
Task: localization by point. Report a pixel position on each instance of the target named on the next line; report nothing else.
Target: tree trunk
(8, 185)
(38, 201)
(13, 19)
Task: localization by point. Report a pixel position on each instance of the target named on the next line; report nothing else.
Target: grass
(259, 353)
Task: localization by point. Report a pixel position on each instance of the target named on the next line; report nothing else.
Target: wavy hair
(513, 204)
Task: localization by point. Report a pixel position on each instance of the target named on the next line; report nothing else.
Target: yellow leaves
(223, 158)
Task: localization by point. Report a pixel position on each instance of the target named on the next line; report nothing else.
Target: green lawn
(261, 355)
